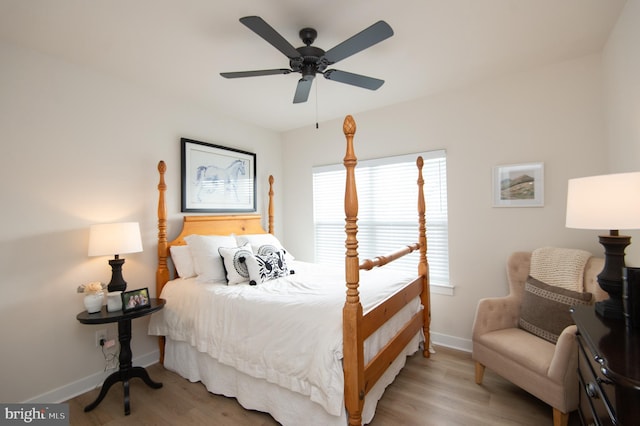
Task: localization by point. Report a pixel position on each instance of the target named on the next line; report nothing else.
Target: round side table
(126, 371)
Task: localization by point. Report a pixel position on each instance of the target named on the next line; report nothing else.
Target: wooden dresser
(608, 370)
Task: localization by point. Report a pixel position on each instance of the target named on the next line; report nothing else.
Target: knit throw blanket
(561, 267)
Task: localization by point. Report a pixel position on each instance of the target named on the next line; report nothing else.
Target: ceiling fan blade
(264, 30)
(353, 79)
(258, 73)
(364, 39)
(302, 91)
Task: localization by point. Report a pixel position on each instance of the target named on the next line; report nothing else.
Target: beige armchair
(546, 370)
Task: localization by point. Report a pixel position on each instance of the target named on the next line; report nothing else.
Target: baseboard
(73, 389)
(451, 342)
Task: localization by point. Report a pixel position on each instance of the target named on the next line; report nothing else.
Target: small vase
(114, 301)
(93, 302)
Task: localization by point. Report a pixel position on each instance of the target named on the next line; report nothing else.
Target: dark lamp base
(117, 282)
(610, 279)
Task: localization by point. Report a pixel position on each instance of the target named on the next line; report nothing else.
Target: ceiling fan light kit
(310, 60)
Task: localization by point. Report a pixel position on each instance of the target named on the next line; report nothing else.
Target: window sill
(445, 289)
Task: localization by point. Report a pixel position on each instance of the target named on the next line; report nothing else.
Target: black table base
(126, 370)
(124, 377)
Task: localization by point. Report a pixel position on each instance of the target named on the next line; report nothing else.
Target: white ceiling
(180, 46)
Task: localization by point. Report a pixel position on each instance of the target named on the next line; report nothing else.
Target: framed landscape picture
(217, 179)
(518, 185)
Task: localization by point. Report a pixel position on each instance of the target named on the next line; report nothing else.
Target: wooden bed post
(162, 273)
(271, 204)
(353, 345)
(423, 265)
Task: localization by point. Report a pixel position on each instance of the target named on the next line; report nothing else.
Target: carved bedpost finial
(349, 126)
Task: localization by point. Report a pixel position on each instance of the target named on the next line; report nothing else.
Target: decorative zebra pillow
(266, 249)
(266, 267)
(235, 261)
(258, 241)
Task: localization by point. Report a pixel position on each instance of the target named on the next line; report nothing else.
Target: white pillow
(182, 260)
(258, 241)
(267, 267)
(234, 260)
(207, 262)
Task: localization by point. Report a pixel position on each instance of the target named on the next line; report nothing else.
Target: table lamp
(607, 202)
(115, 239)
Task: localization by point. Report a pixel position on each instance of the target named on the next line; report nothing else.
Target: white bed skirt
(287, 407)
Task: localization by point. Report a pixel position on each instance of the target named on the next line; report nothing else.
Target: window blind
(387, 211)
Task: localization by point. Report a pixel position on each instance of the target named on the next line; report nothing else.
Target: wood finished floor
(436, 391)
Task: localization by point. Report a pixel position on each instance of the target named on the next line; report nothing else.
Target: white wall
(621, 60)
(79, 148)
(554, 115)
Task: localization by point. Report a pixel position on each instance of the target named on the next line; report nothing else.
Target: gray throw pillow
(545, 308)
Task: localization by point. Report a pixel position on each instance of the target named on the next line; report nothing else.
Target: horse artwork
(212, 179)
(217, 179)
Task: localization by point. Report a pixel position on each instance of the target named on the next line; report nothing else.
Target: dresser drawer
(596, 391)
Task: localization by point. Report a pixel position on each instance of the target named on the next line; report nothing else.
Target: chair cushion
(527, 351)
(545, 308)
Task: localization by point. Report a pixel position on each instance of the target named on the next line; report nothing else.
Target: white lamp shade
(114, 238)
(607, 202)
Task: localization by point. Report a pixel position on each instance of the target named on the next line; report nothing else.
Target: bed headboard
(201, 225)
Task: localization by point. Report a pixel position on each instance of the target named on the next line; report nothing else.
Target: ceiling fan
(309, 60)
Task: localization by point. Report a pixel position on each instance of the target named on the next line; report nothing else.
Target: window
(387, 212)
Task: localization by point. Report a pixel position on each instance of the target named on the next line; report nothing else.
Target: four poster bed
(292, 346)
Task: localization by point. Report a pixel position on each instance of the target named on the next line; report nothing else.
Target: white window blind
(387, 211)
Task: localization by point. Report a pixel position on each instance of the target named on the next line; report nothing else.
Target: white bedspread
(287, 331)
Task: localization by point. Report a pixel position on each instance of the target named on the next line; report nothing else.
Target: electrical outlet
(101, 335)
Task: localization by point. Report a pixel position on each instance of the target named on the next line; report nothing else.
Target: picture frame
(135, 299)
(518, 185)
(217, 179)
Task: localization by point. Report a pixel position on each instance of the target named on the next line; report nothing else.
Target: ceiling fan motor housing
(309, 62)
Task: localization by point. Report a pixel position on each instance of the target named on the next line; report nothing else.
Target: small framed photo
(518, 185)
(217, 179)
(135, 299)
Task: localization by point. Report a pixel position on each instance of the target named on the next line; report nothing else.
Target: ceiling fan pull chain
(317, 106)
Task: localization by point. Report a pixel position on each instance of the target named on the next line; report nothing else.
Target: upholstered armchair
(544, 369)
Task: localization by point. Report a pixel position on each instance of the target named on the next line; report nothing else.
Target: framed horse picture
(217, 179)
